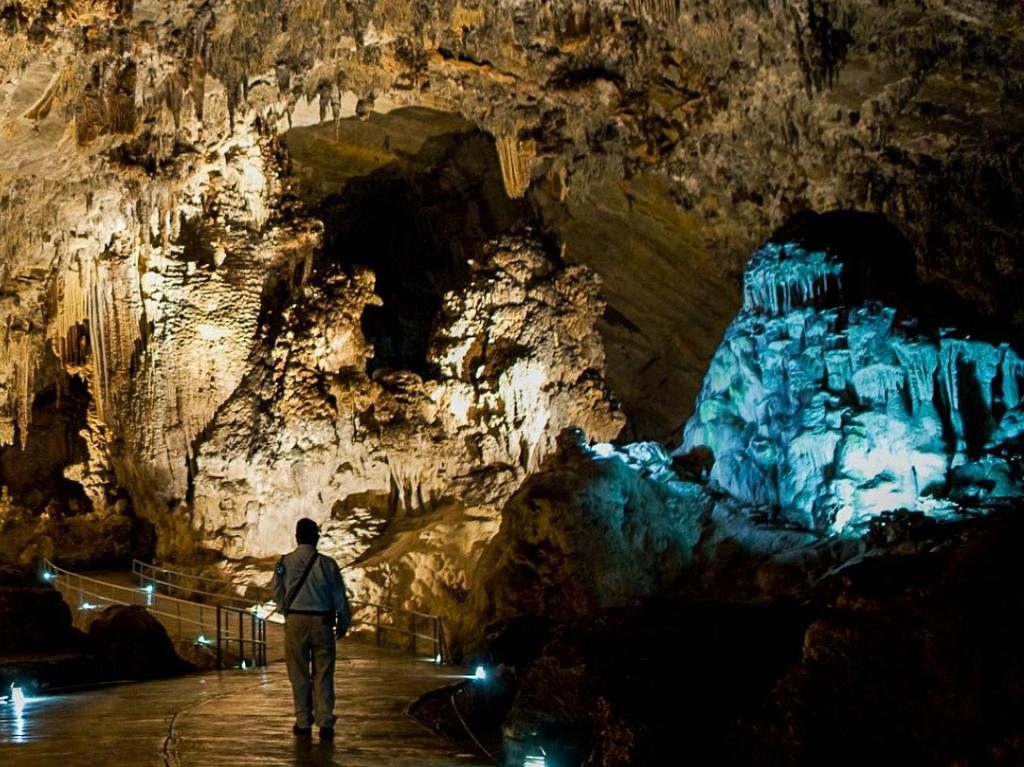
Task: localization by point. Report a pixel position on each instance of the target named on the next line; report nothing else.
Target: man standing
(311, 595)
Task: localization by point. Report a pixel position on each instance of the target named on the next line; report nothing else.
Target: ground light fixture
(536, 758)
(17, 699)
(480, 674)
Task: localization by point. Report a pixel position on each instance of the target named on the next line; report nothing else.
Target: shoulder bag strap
(298, 586)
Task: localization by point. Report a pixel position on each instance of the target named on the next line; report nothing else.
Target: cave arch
(878, 260)
(33, 475)
(880, 263)
(412, 194)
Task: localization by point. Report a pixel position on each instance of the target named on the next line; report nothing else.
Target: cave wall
(153, 235)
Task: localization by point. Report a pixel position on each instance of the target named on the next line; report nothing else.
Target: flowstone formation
(828, 412)
(416, 467)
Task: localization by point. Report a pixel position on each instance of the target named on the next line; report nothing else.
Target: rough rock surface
(308, 432)
(132, 644)
(916, 657)
(141, 195)
(832, 410)
(34, 615)
(426, 463)
(41, 648)
(591, 530)
(153, 242)
(911, 652)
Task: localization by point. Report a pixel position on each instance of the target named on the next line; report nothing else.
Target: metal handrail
(436, 637)
(138, 563)
(141, 569)
(70, 583)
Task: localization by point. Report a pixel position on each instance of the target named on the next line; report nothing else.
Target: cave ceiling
(164, 163)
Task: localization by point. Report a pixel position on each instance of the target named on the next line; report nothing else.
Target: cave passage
(413, 195)
(34, 476)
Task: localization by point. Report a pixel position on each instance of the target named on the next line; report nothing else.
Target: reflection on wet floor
(239, 718)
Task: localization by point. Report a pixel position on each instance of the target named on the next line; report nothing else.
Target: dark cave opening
(378, 222)
(879, 263)
(413, 195)
(34, 476)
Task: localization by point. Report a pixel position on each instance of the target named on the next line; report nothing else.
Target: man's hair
(306, 531)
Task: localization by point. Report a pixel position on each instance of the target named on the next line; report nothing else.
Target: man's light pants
(309, 639)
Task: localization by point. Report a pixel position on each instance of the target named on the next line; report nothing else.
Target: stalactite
(659, 11)
(18, 354)
(516, 160)
(94, 302)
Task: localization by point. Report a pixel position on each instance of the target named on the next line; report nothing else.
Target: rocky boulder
(595, 528)
(132, 644)
(915, 659)
(33, 614)
(910, 654)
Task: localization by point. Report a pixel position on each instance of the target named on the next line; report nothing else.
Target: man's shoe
(326, 733)
(296, 730)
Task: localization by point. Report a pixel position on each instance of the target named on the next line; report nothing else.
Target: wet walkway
(237, 718)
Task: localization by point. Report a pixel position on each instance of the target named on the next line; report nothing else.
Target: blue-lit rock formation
(832, 413)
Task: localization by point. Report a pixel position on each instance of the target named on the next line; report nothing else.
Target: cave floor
(237, 718)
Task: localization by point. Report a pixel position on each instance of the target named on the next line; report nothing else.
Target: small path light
(480, 674)
(535, 757)
(18, 699)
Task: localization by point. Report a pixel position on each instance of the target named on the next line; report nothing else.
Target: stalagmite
(835, 413)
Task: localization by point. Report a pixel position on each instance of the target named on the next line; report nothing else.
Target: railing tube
(220, 663)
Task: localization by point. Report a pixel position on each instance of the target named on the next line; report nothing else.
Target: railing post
(263, 642)
(378, 627)
(442, 650)
(241, 635)
(220, 663)
(412, 634)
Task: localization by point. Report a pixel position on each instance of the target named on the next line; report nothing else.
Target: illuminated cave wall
(309, 433)
(831, 411)
(152, 235)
